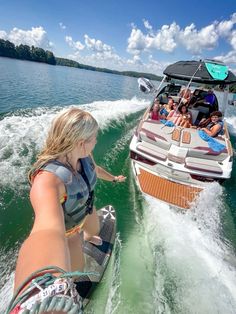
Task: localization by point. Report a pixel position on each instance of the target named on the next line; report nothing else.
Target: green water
(163, 261)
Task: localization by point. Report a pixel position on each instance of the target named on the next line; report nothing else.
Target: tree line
(25, 52)
(72, 63)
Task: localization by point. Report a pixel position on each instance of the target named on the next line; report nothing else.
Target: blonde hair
(68, 128)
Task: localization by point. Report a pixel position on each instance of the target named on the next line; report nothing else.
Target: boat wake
(231, 119)
(22, 134)
(113, 299)
(192, 273)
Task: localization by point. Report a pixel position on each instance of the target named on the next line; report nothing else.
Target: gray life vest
(78, 188)
(221, 130)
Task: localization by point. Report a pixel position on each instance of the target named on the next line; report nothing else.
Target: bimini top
(208, 72)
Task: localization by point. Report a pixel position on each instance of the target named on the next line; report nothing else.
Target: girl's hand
(119, 178)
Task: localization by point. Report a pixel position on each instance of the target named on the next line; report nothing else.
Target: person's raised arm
(213, 131)
(46, 244)
(105, 175)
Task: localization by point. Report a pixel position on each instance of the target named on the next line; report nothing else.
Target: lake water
(163, 261)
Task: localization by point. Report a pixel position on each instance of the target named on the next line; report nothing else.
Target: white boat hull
(179, 169)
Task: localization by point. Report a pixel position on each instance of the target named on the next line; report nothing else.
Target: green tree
(50, 57)
(38, 54)
(24, 52)
(7, 49)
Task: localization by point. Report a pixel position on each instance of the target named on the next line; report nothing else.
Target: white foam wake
(231, 121)
(22, 135)
(191, 271)
(230, 116)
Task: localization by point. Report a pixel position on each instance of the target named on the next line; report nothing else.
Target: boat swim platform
(176, 194)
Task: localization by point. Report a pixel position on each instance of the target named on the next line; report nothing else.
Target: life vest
(221, 130)
(78, 188)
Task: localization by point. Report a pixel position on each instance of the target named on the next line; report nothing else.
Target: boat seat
(158, 134)
(152, 150)
(198, 148)
(203, 165)
(175, 98)
(177, 154)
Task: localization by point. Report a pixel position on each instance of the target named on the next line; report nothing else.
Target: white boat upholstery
(158, 134)
(152, 150)
(163, 138)
(176, 98)
(203, 165)
(198, 148)
(177, 154)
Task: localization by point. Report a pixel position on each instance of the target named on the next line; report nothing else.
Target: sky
(136, 35)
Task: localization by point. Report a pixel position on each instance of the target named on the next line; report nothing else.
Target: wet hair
(216, 113)
(68, 128)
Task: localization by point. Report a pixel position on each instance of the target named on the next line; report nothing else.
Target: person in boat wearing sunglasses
(174, 115)
(62, 193)
(208, 101)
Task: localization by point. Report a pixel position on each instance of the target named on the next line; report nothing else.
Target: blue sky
(124, 34)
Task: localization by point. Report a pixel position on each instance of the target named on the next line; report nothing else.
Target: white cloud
(3, 35)
(62, 26)
(96, 45)
(136, 60)
(147, 41)
(165, 38)
(76, 45)
(147, 25)
(229, 58)
(137, 42)
(195, 41)
(224, 28)
(97, 53)
(37, 37)
(233, 40)
(156, 65)
(102, 60)
(169, 37)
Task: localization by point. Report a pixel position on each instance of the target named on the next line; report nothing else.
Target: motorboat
(172, 163)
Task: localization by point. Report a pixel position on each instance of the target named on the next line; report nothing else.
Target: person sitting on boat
(174, 115)
(186, 117)
(154, 114)
(207, 101)
(166, 109)
(213, 126)
(185, 95)
(63, 180)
